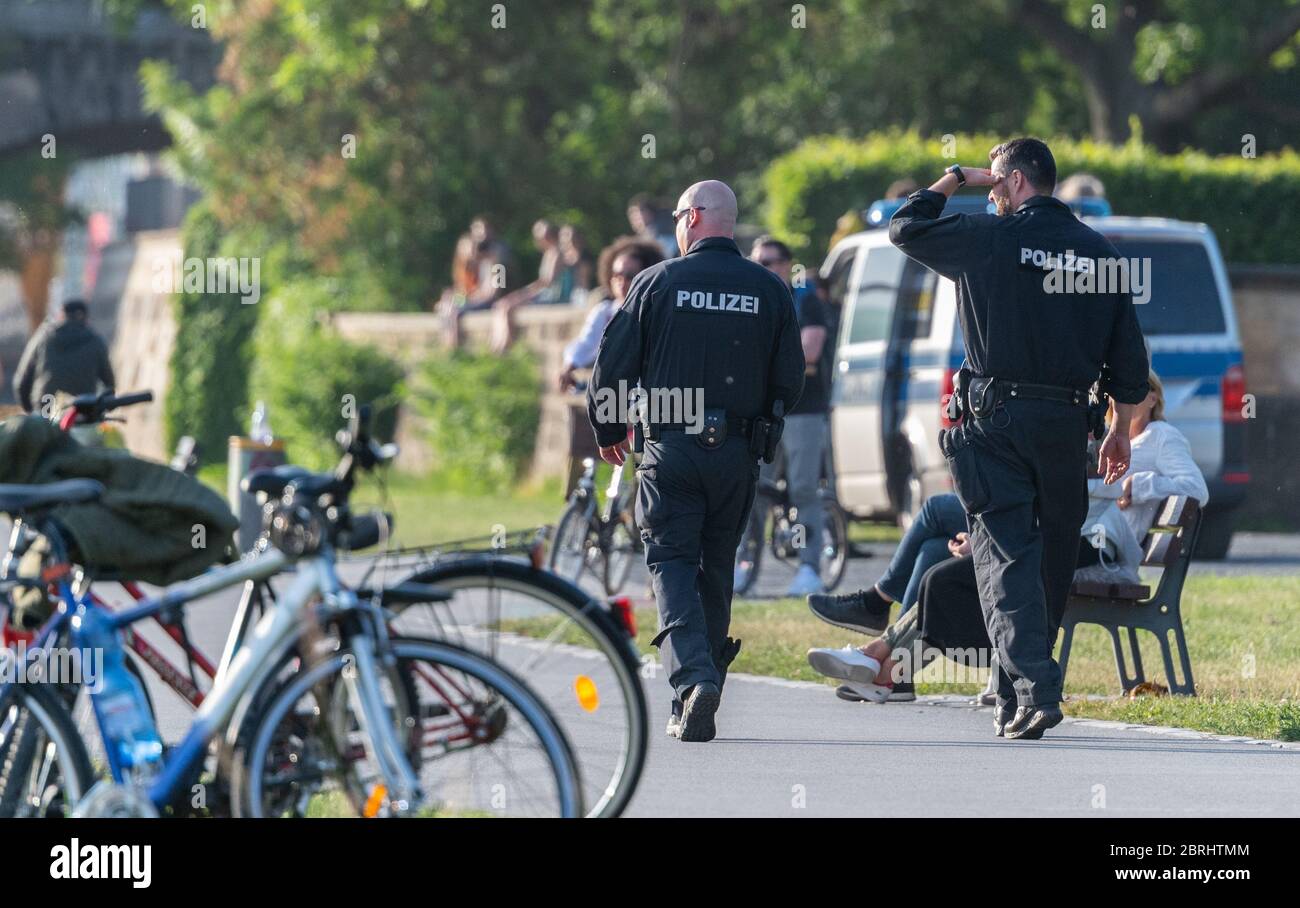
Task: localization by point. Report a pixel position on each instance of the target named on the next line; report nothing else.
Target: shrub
(1253, 205)
(310, 378)
(482, 412)
(210, 362)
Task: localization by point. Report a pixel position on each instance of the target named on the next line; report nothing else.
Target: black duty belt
(1015, 390)
(736, 427)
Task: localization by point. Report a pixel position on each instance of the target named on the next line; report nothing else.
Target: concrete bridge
(70, 70)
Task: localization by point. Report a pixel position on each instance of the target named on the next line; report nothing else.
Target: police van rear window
(1183, 295)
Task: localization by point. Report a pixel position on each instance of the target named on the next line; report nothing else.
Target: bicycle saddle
(15, 499)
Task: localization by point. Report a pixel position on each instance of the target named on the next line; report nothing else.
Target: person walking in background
(807, 430)
(66, 357)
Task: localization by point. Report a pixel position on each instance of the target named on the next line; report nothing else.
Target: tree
(1168, 62)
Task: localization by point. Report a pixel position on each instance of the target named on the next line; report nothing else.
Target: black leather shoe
(1031, 721)
(861, 611)
(1000, 720)
(697, 715)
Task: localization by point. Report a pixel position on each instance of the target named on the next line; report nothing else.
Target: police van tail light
(945, 394)
(1233, 394)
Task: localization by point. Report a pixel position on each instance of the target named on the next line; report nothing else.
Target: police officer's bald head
(707, 208)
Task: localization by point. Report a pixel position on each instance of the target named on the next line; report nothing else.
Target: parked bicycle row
(358, 677)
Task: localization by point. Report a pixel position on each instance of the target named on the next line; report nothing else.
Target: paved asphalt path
(793, 749)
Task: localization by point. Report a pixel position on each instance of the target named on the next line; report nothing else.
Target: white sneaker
(856, 692)
(848, 664)
(805, 583)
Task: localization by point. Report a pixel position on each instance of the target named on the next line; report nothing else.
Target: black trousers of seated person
(950, 616)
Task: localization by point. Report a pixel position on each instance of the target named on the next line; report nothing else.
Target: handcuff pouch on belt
(982, 397)
(713, 433)
(765, 434)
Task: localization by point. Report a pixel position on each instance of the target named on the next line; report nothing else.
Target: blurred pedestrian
(65, 356)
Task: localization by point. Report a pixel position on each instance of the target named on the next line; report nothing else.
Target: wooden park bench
(1132, 606)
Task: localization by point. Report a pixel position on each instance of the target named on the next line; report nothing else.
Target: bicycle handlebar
(87, 409)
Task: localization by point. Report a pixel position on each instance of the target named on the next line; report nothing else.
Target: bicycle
(501, 594)
(365, 688)
(783, 518)
(604, 543)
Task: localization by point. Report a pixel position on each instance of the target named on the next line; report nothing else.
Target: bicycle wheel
(749, 559)
(578, 658)
(835, 546)
(571, 552)
(44, 767)
(622, 550)
(480, 741)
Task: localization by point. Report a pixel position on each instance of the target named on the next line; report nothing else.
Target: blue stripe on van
(1168, 364)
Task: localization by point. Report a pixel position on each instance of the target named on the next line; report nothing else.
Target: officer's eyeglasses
(681, 211)
(768, 263)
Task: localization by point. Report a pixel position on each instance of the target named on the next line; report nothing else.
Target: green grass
(1243, 633)
(866, 533)
(428, 512)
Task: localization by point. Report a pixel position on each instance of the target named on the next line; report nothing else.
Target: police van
(900, 345)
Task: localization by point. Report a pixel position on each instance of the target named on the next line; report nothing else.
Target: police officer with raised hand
(713, 340)
(1018, 456)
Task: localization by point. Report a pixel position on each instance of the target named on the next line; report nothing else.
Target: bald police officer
(1018, 456)
(713, 341)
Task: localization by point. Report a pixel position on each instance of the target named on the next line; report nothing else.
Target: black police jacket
(710, 328)
(1029, 309)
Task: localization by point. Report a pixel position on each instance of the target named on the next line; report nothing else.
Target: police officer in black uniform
(713, 340)
(1040, 326)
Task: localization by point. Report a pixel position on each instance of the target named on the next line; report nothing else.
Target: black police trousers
(692, 505)
(1021, 476)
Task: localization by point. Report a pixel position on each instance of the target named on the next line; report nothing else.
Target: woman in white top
(1120, 514)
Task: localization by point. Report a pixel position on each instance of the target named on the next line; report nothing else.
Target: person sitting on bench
(939, 527)
(948, 616)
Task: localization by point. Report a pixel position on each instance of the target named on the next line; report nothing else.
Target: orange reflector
(375, 801)
(585, 688)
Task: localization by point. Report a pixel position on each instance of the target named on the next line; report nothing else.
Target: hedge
(1252, 204)
(482, 412)
(311, 379)
(208, 395)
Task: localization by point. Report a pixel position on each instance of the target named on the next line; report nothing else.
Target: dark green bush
(311, 379)
(210, 362)
(1253, 205)
(482, 411)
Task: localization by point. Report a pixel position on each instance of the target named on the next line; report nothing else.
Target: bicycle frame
(269, 639)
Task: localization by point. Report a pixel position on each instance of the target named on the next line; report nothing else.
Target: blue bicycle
(322, 711)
